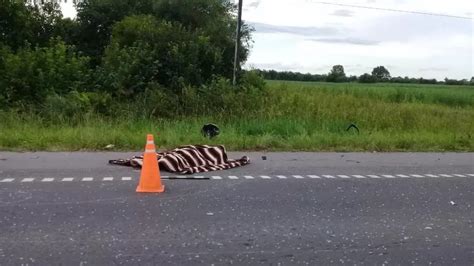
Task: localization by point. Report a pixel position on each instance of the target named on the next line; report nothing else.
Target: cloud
(254, 4)
(406, 28)
(304, 37)
(277, 66)
(352, 41)
(304, 31)
(438, 69)
(343, 13)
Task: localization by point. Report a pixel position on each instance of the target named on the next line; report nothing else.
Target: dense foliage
(28, 76)
(121, 53)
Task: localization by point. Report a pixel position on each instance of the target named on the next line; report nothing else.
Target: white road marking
(248, 177)
(443, 175)
(373, 176)
(404, 176)
(298, 176)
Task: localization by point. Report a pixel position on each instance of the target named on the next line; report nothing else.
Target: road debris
(210, 131)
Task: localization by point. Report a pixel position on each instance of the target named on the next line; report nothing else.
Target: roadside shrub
(74, 106)
(127, 71)
(252, 80)
(222, 98)
(154, 102)
(30, 75)
(145, 50)
(216, 99)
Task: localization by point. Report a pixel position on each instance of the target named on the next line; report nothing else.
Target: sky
(307, 36)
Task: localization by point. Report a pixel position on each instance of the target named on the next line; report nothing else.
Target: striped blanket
(190, 160)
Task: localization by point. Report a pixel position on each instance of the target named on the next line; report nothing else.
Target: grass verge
(297, 117)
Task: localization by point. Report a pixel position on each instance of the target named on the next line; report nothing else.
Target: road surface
(290, 209)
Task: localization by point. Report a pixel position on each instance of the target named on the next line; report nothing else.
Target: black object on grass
(353, 126)
(210, 131)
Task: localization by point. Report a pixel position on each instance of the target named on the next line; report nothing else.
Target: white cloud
(296, 30)
(343, 13)
(310, 37)
(352, 41)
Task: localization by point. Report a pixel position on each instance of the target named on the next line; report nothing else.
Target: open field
(296, 116)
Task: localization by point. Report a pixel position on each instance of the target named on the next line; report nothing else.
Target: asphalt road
(290, 209)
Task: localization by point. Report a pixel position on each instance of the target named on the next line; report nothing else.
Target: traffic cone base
(150, 178)
(144, 190)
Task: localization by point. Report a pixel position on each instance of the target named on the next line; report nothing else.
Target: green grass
(297, 117)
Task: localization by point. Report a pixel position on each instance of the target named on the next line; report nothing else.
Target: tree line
(118, 52)
(337, 74)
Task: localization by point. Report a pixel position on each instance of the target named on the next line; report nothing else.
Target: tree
(427, 81)
(22, 24)
(455, 82)
(367, 78)
(213, 20)
(380, 73)
(30, 75)
(352, 78)
(145, 50)
(337, 74)
(16, 23)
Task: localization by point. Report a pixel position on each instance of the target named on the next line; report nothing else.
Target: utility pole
(237, 43)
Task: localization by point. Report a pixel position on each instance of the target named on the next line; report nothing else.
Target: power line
(392, 10)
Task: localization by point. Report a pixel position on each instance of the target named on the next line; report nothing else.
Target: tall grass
(295, 116)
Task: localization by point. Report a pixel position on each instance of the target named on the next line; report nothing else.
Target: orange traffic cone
(150, 179)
